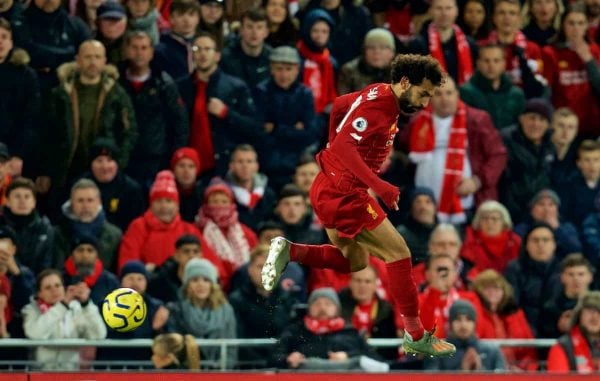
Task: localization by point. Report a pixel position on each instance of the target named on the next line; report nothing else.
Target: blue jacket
(577, 199)
(174, 55)
(591, 237)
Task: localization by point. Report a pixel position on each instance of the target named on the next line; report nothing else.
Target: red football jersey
(364, 121)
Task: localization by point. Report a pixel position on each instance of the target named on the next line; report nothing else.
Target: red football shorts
(348, 212)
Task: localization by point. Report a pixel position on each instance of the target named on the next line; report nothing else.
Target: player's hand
(295, 359)
(215, 106)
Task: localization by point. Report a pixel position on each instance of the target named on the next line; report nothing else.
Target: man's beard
(405, 105)
(84, 269)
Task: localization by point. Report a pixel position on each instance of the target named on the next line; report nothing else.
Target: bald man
(87, 104)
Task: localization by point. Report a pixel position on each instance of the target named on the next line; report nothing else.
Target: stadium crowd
(161, 144)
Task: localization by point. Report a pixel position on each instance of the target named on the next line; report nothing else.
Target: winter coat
(62, 322)
(591, 237)
(161, 119)
(174, 55)
(474, 251)
(504, 104)
(105, 283)
(19, 105)
(416, 236)
(258, 316)
(491, 356)
(282, 148)
(384, 325)
(552, 309)
(566, 237)
(527, 171)
(164, 282)
(577, 199)
(190, 201)
(534, 283)
(22, 289)
(115, 120)
(35, 239)
(563, 357)
(355, 75)
(254, 216)
(251, 70)
(239, 124)
(122, 199)
(51, 39)
(304, 231)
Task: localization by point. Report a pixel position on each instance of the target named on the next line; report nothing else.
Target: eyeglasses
(197, 49)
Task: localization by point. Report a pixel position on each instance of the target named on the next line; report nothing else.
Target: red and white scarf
(581, 351)
(91, 279)
(320, 327)
(422, 144)
(231, 246)
(463, 52)
(318, 75)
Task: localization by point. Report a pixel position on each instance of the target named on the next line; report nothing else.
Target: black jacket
(105, 283)
(303, 231)
(163, 283)
(551, 312)
(251, 70)
(239, 125)
(173, 55)
(416, 236)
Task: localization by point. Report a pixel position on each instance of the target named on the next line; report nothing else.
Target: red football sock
(320, 257)
(404, 293)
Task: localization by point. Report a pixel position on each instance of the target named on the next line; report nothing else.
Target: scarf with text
(463, 52)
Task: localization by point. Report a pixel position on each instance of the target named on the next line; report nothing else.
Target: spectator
(474, 19)
(16, 288)
(292, 211)
(218, 221)
(161, 117)
(490, 242)
(212, 20)
(83, 215)
(220, 106)
(175, 351)
(58, 314)
(19, 100)
(523, 58)
(572, 68)
(134, 275)
(544, 207)
(185, 165)
(371, 66)
(247, 58)
(322, 340)
(254, 197)
(90, 101)
(576, 277)
(592, 11)
(84, 270)
(287, 108)
(282, 30)
(502, 318)
(143, 16)
(34, 235)
(174, 52)
(268, 230)
(468, 176)
(490, 88)
(534, 275)
(576, 351)
(152, 236)
(112, 25)
(580, 192)
(369, 314)
(260, 313)
(530, 153)
(471, 354)
(307, 170)
(565, 126)
(121, 196)
(13, 12)
(318, 73)
(544, 18)
(352, 22)
(203, 310)
(591, 236)
(51, 37)
(86, 11)
(421, 221)
(440, 293)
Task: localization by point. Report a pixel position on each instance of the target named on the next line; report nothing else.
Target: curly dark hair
(416, 68)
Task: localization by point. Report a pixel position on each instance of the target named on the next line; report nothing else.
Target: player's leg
(386, 243)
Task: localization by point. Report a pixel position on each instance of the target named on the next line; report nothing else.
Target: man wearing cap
(530, 155)
(88, 104)
(420, 222)
(293, 212)
(161, 117)
(373, 64)
(111, 21)
(544, 207)
(84, 270)
(579, 349)
(122, 197)
(322, 340)
(82, 214)
(471, 354)
(286, 107)
(248, 57)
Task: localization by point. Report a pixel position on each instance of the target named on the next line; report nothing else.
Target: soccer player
(361, 134)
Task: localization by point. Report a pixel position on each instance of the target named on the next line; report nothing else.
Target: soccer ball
(124, 310)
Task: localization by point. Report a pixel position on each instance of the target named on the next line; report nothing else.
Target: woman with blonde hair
(175, 351)
(501, 318)
(203, 310)
(544, 20)
(490, 242)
